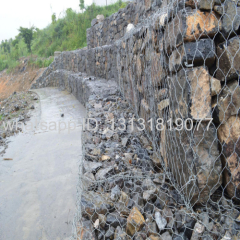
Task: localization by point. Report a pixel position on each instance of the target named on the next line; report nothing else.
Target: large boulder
(194, 161)
(196, 53)
(191, 26)
(190, 94)
(158, 71)
(228, 55)
(229, 137)
(230, 18)
(227, 104)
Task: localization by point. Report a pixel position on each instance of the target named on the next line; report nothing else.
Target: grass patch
(40, 62)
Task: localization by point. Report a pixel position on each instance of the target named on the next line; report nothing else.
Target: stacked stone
(125, 194)
(184, 72)
(180, 62)
(113, 28)
(203, 81)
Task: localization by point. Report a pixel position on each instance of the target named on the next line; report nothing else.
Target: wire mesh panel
(162, 160)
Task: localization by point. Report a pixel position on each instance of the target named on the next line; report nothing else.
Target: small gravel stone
(161, 221)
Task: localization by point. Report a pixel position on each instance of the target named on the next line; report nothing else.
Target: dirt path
(38, 187)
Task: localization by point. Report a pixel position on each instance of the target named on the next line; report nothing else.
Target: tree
(15, 42)
(27, 35)
(82, 5)
(6, 47)
(54, 18)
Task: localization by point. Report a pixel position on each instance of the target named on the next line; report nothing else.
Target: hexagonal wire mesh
(179, 178)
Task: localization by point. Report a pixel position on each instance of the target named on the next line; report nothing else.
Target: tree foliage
(82, 5)
(54, 18)
(27, 35)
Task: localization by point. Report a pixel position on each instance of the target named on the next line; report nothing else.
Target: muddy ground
(16, 108)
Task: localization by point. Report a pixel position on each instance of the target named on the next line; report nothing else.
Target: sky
(25, 13)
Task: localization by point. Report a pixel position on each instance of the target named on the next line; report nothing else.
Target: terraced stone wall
(107, 31)
(180, 62)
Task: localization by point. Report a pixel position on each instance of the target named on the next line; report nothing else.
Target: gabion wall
(178, 70)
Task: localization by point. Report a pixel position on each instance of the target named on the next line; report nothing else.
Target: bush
(40, 62)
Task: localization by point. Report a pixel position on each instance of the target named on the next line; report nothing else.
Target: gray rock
(128, 158)
(110, 233)
(130, 27)
(94, 22)
(109, 134)
(104, 173)
(205, 4)
(96, 151)
(228, 59)
(20, 118)
(227, 105)
(159, 203)
(87, 230)
(88, 178)
(120, 234)
(204, 217)
(218, 9)
(150, 195)
(160, 220)
(151, 228)
(93, 204)
(188, 226)
(198, 231)
(196, 53)
(102, 220)
(114, 219)
(166, 236)
(125, 141)
(115, 193)
(178, 219)
(180, 236)
(101, 234)
(140, 236)
(91, 167)
(100, 18)
(149, 207)
(230, 18)
(138, 200)
(148, 184)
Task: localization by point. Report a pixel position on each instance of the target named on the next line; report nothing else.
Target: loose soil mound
(18, 81)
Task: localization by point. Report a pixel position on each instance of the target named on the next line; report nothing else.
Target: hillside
(63, 34)
(20, 79)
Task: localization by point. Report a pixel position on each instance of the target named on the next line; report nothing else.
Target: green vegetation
(27, 35)
(63, 34)
(40, 62)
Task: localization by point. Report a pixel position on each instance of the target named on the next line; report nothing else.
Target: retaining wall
(179, 62)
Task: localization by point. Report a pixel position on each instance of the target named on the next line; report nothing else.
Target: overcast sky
(25, 13)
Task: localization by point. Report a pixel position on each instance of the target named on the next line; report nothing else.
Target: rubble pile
(126, 194)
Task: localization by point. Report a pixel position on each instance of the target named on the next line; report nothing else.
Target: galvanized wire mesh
(178, 71)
